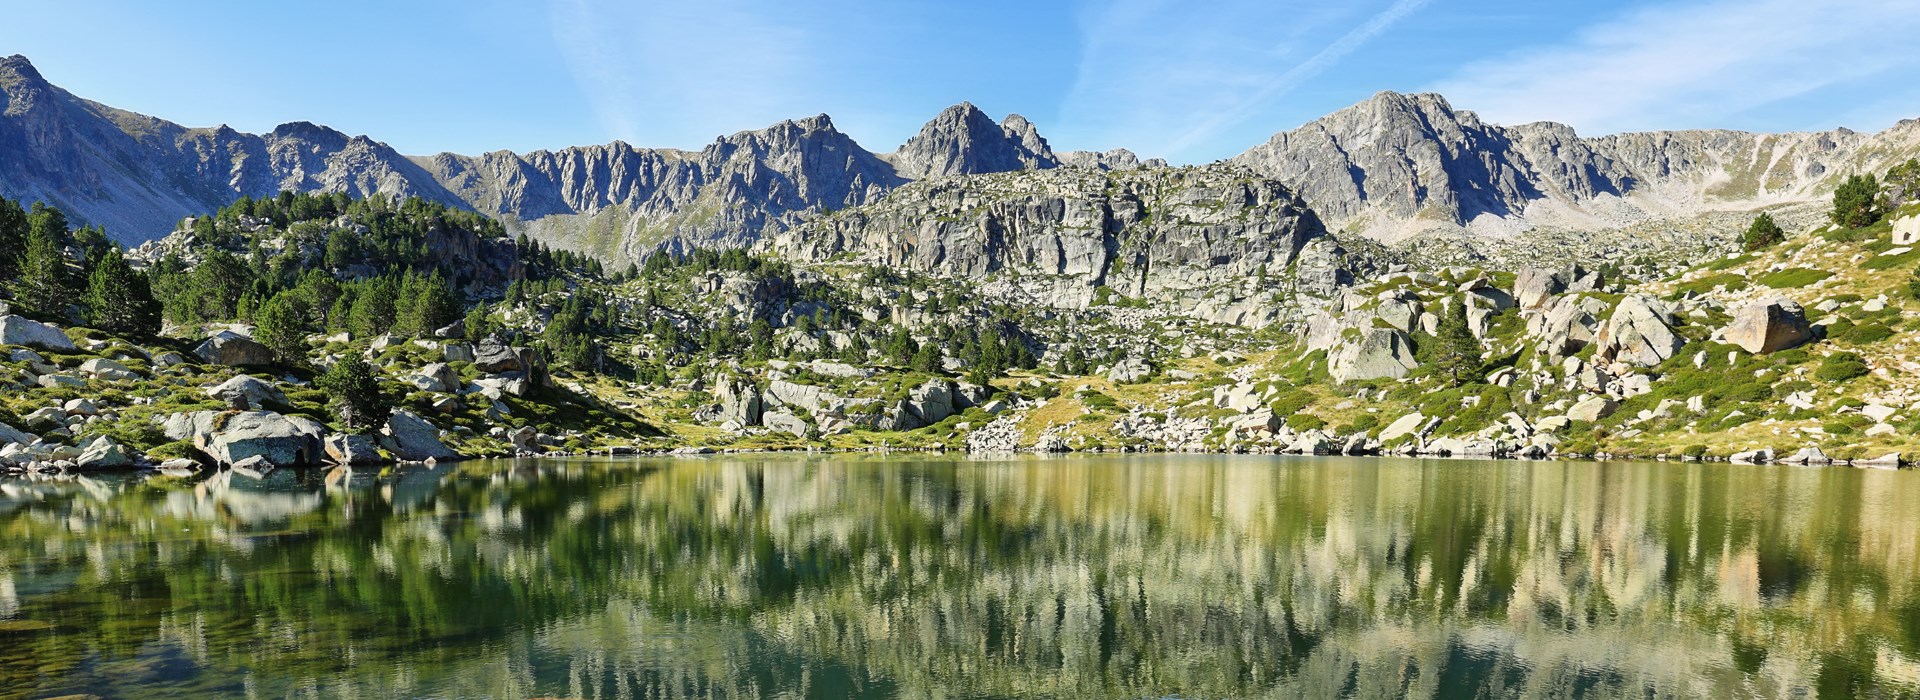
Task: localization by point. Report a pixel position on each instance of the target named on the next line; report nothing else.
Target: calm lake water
(1084, 577)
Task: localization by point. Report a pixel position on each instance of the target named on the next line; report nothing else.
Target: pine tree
(13, 239)
(120, 300)
(44, 286)
(355, 394)
(280, 324)
(928, 359)
(1857, 202)
(1763, 233)
(373, 307)
(1452, 352)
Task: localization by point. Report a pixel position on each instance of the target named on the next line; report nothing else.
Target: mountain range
(1392, 167)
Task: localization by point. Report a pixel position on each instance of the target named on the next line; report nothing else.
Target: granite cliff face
(1397, 165)
(1216, 242)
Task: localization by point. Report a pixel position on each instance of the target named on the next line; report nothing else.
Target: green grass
(1793, 277)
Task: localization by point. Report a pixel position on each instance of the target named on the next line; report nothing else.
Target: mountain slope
(1396, 165)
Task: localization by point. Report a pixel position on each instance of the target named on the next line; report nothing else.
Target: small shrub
(1870, 333)
(1841, 366)
(1303, 421)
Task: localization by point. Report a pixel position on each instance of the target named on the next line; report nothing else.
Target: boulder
(352, 450)
(1808, 455)
(783, 421)
(282, 441)
(931, 402)
(61, 381)
(740, 401)
(234, 350)
(1532, 287)
(1379, 353)
(1890, 460)
(412, 438)
(456, 352)
(108, 370)
(80, 407)
(1639, 332)
(1759, 456)
(1129, 371)
(1405, 425)
(494, 358)
(169, 359)
(1592, 409)
(103, 453)
(1769, 326)
(12, 436)
(436, 377)
(525, 439)
(19, 330)
(245, 392)
(190, 426)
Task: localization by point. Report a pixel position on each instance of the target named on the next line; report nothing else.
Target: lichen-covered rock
(352, 450)
(784, 422)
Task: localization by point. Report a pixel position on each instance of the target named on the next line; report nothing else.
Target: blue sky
(1187, 81)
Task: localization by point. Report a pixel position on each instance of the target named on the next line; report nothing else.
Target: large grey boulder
(783, 421)
(103, 453)
(1532, 287)
(246, 392)
(1379, 353)
(1592, 409)
(189, 426)
(234, 350)
(494, 358)
(436, 377)
(1129, 371)
(931, 402)
(1405, 425)
(108, 369)
(281, 440)
(1769, 325)
(1639, 332)
(352, 450)
(11, 435)
(412, 438)
(19, 330)
(739, 401)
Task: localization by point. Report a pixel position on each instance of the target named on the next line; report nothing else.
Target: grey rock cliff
(1396, 165)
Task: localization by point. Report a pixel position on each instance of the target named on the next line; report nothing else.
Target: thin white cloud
(662, 73)
(1284, 83)
(1165, 80)
(1696, 64)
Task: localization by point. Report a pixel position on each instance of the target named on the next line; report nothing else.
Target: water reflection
(1082, 577)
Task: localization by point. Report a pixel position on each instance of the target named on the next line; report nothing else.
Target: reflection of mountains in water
(1086, 577)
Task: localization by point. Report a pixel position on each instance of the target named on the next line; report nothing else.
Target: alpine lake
(856, 576)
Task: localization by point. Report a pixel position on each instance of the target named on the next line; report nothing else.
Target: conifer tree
(1762, 233)
(13, 239)
(1452, 352)
(1857, 202)
(120, 300)
(44, 286)
(280, 324)
(355, 394)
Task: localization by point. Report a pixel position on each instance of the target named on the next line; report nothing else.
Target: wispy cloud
(1700, 64)
(681, 73)
(1285, 82)
(1165, 80)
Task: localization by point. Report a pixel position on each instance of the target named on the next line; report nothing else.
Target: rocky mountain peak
(963, 140)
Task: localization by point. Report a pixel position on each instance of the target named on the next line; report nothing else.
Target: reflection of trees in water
(1079, 577)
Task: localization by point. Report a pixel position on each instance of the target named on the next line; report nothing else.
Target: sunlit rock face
(1084, 577)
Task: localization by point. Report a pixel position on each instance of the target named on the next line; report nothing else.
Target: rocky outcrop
(412, 438)
(245, 392)
(1377, 353)
(962, 140)
(352, 450)
(18, 330)
(281, 440)
(1214, 242)
(1640, 332)
(1769, 326)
